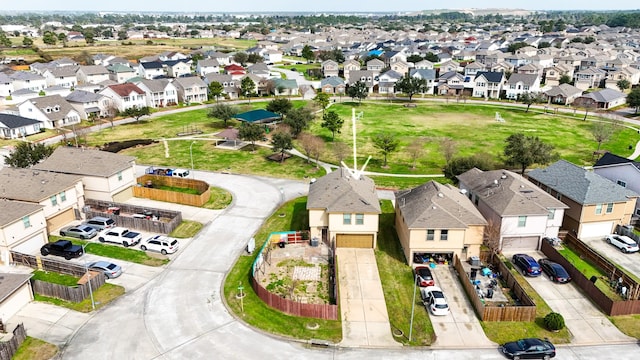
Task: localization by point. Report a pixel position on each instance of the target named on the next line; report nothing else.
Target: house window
(54, 200)
(609, 208)
(598, 209)
(119, 175)
(444, 234)
(552, 214)
(430, 234)
(63, 196)
(621, 183)
(522, 221)
(359, 219)
(559, 196)
(26, 222)
(346, 219)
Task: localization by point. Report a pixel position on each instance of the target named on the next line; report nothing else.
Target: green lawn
(35, 349)
(219, 199)
(588, 269)
(101, 297)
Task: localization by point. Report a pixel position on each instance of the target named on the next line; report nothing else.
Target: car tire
(143, 248)
(83, 237)
(547, 357)
(624, 250)
(44, 252)
(67, 257)
(163, 252)
(608, 241)
(551, 277)
(101, 239)
(63, 233)
(516, 357)
(125, 244)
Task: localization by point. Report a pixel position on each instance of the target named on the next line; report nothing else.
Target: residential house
(354, 65)
(401, 67)
(16, 127)
(450, 83)
(390, 57)
(61, 196)
(449, 66)
(120, 73)
(288, 87)
(438, 220)
(160, 92)
(125, 96)
(27, 80)
(518, 213)
(260, 70)
(472, 69)
(519, 84)
(531, 68)
(429, 75)
(563, 94)
(601, 99)
(330, 68)
(236, 71)
(553, 74)
(333, 85)
(89, 105)
(387, 81)
(53, 111)
(191, 89)
(589, 78)
(231, 86)
(272, 56)
(151, 70)
(16, 292)
(502, 66)
(622, 171)
(177, 68)
(6, 85)
(488, 84)
(207, 66)
(630, 74)
(23, 228)
(596, 204)
(106, 176)
(92, 74)
(365, 76)
(222, 58)
(344, 209)
(64, 76)
(517, 60)
(424, 64)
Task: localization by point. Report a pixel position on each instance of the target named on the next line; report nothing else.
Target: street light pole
(191, 155)
(86, 270)
(413, 305)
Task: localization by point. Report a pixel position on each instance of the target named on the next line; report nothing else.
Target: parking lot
(630, 262)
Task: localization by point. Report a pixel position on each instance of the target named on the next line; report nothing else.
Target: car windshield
(442, 306)
(559, 270)
(425, 273)
(174, 242)
(111, 266)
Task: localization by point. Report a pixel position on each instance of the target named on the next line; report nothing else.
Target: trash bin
(593, 279)
(314, 241)
(281, 244)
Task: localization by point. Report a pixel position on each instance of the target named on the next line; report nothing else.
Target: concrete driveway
(630, 262)
(461, 328)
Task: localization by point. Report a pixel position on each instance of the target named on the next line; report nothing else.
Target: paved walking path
(365, 321)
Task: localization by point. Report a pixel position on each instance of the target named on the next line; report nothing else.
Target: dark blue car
(528, 265)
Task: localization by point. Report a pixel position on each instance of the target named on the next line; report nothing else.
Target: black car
(555, 271)
(529, 349)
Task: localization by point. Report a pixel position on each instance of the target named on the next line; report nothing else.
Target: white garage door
(599, 229)
(510, 244)
(15, 302)
(31, 246)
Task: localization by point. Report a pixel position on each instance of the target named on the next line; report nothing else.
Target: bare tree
(111, 112)
(602, 131)
(306, 141)
(416, 150)
(491, 237)
(340, 150)
(317, 147)
(449, 148)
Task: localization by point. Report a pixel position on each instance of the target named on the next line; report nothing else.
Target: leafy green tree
(565, 79)
(254, 58)
(530, 99)
(623, 84)
(358, 90)
(432, 57)
(247, 87)
(28, 154)
(280, 106)
(241, 58)
(89, 36)
(333, 122)
(386, 143)
(525, 151)
(251, 132)
(459, 165)
(281, 142)
(633, 99)
(62, 37)
(215, 90)
(298, 119)
(27, 41)
(223, 112)
(49, 38)
(544, 44)
(515, 46)
(307, 53)
(322, 99)
(411, 85)
(4, 40)
(414, 58)
(122, 35)
(137, 112)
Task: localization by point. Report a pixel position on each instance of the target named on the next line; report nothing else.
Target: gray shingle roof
(87, 162)
(53, 102)
(10, 211)
(11, 283)
(565, 90)
(338, 192)
(155, 85)
(605, 95)
(33, 185)
(81, 96)
(437, 206)
(526, 79)
(580, 185)
(14, 121)
(94, 69)
(332, 80)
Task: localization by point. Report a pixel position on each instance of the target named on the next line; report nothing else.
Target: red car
(424, 277)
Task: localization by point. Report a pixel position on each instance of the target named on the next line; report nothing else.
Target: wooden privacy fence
(48, 264)
(69, 293)
(607, 305)
(8, 348)
(524, 312)
(167, 220)
(150, 192)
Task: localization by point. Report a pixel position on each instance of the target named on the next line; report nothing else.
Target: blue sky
(302, 5)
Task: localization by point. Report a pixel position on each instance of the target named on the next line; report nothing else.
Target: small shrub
(554, 321)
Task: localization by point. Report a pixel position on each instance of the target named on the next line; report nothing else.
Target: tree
(565, 79)
(515, 46)
(544, 44)
(254, 58)
(241, 58)
(223, 112)
(49, 38)
(416, 150)
(247, 87)
(137, 112)
(527, 150)
(358, 90)
(449, 148)
(340, 150)
(633, 99)
(386, 143)
(333, 122)
(322, 99)
(281, 142)
(122, 35)
(251, 132)
(298, 119)
(28, 154)
(623, 84)
(111, 113)
(491, 237)
(26, 41)
(432, 57)
(280, 106)
(216, 90)
(459, 165)
(530, 98)
(410, 85)
(602, 131)
(307, 53)
(317, 146)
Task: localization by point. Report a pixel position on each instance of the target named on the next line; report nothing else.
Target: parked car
(530, 348)
(527, 264)
(109, 269)
(624, 243)
(62, 248)
(434, 300)
(79, 231)
(424, 277)
(120, 235)
(555, 271)
(162, 244)
(100, 223)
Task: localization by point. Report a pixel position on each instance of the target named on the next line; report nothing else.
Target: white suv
(624, 243)
(162, 244)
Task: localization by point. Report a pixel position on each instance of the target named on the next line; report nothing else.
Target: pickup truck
(183, 173)
(120, 235)
(62, 248)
